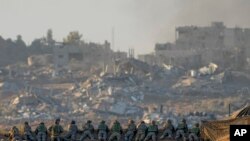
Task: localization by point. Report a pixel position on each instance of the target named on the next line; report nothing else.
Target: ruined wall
(120, 55)
(198, 46)
(247, 46)
(148, 58)
(84, 55)
(192, 37)
(215, 43)
(61, 56)
(40, 60)
(178, 57)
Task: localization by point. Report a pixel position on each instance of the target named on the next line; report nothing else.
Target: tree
(20, 42)
(37, 44)
(49, 38)
(73, 38)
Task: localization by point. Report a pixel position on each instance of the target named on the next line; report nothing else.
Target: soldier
(168, 130)
(116, 131)
(194, 133)
(72, 131)
(102, 131)
(152, 131)
(181, 130)
(41, 132)
(14, 134)
(56, 130)
(130, 131)
(27, 133)
(141, 131)
(88, 130)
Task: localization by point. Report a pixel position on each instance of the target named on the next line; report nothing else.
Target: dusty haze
(138, 23)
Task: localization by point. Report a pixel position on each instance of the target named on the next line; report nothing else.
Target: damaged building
(196, 46)
(85, 55)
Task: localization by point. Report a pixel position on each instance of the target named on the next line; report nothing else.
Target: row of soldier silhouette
(141, 132)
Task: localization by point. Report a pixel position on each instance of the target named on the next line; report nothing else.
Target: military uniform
(56, 131)
(152, 132)
(72, 131)
(131, 131)
(141, 131)
(14, 134)
(194, 133)
(181, 130)
(41, 132)
(116, 131)
(27, 133)
(102, 131)
(88, 130)
(168, 130)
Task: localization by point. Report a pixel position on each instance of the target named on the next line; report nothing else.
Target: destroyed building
(84, 54)
(64, 53)
(99, 83)
(196, 46)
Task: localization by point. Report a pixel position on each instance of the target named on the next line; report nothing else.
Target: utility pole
(113, 38)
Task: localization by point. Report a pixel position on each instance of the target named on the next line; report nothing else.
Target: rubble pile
(131, 89)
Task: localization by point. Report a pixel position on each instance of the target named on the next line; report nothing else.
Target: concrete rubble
(128, 91)
(197, 77)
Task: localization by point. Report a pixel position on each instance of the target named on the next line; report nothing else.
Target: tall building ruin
(196, 46)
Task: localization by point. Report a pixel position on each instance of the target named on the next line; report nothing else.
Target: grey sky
(138, 23)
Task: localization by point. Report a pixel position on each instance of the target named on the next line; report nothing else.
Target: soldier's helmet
(41, 123)
(89, 121)
(73, 122)
(57, 120)
(153, 122)
(169, 121)
(130, 121)
(116, 121)
(102, 121)
(183, 120)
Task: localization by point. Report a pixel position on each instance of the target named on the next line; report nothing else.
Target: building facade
(196, 46)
